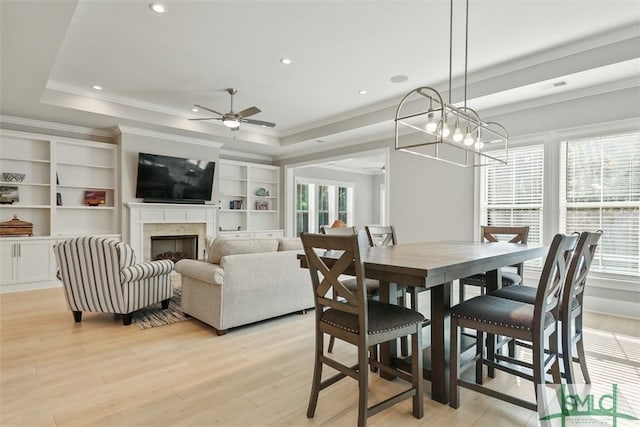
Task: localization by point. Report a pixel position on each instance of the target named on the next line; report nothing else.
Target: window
(303, 208)
(512, 194)
(600, 189)
(319, 203)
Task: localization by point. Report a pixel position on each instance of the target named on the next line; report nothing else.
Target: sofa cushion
(224, 247)
(290, 244)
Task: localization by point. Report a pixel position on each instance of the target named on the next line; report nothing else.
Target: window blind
(600, 189)
(512, 194)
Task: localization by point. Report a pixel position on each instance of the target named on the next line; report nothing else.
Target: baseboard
(612, 307)
(20, 287)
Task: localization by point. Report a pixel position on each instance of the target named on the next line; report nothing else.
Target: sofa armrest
(145, 270)
(201, 270)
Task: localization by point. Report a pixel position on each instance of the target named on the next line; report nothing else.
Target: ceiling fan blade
(209, 109)
(249, 112)
(258, 122)
(207, 118)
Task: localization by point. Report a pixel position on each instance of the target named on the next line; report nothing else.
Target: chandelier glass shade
(427, 126)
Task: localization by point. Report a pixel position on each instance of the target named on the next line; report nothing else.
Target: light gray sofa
(245, 281)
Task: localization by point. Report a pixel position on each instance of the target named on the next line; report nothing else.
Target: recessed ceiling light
(157, 7)
(195, 110)
(400, 78)
(362, 92)
(97, 87)
(286, 61)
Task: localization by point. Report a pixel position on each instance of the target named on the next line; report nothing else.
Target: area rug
(154, 315)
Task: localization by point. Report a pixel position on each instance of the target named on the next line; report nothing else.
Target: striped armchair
(100, 275)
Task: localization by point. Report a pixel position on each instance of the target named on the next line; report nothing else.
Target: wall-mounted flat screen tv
(174, 179)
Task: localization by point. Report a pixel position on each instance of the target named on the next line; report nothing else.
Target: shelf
(25, 206)
(265, 181)
(233, 195)
(85, 165)
(264, 210)
(17, 159)
(84, 187)
(86, 207)
(234, 179)
(264, 197)
(233, 210)
(33, 184)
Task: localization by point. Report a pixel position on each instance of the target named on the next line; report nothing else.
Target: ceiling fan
(232, 120)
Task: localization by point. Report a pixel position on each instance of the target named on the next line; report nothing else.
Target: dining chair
(535, 323)
(497, 234)
(385, 235)
(571, 306)
(372, 286)
(360, 321)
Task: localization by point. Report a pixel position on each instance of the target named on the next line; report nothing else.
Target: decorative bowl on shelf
(13, 176)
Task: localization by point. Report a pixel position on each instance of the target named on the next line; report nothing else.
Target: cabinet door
(7, 263)
(34, 261)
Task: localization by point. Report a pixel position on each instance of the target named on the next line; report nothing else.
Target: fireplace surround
(158, 219)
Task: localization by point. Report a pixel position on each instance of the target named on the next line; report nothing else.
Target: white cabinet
(25, 261)
(58, 173)
(248, 197)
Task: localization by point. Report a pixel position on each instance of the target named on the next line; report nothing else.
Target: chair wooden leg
(416, 373)
(126, 319)
(580, 349)
(460, 292)
(332, 341)
(317, 375)
(77, 316)
(165, 303)
(479, 356)
(454, 365)
(363, 385)
(553, 350)
(537, 349)
(373, 355)
(567, 352)
(491, 354)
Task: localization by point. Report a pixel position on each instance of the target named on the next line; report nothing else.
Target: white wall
(133, 142)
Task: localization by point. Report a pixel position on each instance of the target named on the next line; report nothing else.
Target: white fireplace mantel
(161, 213)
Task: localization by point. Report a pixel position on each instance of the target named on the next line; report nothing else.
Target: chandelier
(444, 132)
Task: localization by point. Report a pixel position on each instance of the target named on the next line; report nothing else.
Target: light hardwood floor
(54, 372)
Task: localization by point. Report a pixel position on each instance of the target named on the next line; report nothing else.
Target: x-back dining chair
(497, 234)
(385, 235)
(372, 286)
(571, 305)
(360, 321)
(534, 323)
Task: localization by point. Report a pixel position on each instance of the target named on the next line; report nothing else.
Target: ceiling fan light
(230, 123)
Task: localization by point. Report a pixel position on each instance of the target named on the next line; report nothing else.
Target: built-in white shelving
(241, 208)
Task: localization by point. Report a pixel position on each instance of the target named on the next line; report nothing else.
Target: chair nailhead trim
(475, 319)
(344, 328)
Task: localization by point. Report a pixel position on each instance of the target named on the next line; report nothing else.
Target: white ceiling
(153, 68)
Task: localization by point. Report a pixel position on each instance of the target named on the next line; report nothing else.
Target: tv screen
(165, 178)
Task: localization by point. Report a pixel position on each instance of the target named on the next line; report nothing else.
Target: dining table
(434, 266)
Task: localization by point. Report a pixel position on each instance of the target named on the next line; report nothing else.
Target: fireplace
(174, 248)
(155, 219)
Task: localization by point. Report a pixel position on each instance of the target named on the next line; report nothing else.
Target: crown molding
(21, 121)
(131, 102)
(121, 130)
